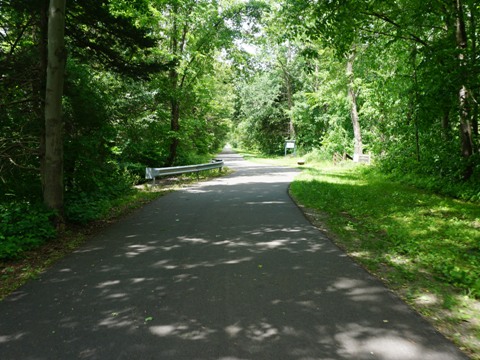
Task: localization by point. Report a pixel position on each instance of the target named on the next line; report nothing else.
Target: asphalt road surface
(227, 269)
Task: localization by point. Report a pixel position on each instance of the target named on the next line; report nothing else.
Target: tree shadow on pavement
(225, 270)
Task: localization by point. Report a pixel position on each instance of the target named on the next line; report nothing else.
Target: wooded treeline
(151, 83)
(395, 79)
(144, 86)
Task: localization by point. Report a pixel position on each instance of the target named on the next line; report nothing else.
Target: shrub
(23, 226)
(82, 208)
(93, 197)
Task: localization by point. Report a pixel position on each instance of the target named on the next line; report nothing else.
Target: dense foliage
(409, 69)
(139, 77)
(23, 226)
(164, 82)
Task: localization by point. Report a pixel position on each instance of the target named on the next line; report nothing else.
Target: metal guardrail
(152, 173)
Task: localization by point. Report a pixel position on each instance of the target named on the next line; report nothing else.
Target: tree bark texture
(174, 104)
(465, 126)
(53, 171)
(357, 133)
(41, 83)
(476, 91)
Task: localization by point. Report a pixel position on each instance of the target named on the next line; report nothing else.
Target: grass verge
(424, 247)
(15, 273)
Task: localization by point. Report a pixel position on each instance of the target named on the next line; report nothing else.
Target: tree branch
(20, 35)
(16, 102)
(389, 35)
(386, 19)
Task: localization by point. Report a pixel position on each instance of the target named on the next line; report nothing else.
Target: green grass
(398, 225)
(423, 246)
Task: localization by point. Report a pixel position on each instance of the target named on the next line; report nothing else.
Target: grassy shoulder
(15, 273)
(424, 247)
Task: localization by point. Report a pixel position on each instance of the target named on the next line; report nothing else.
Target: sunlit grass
(424, 246)
(438, 234)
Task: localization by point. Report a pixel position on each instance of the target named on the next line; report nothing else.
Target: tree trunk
(53, 171)
(413, 104)
(465, 126)
(476, 91)
(358, 146)
(291, 127)
(288, 85)
(175, 128)
(174, 103)
(39, 85)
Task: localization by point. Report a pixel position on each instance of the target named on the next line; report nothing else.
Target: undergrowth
(23, 226)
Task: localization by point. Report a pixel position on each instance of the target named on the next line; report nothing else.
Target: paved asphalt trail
(224, 270)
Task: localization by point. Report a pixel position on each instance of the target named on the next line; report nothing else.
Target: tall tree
(357, 132)
(445, 46)
(53, 186)
(195, 32)
(284, 60)
(463, 95)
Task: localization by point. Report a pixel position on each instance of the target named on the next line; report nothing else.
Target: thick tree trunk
(174, 118)
(41, 82)
(357, 133)
(476, 91)
(174, 104)
(475, 114)
(53, 171)
(465, 126)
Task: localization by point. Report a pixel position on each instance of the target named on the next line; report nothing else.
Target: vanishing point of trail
(227, 269)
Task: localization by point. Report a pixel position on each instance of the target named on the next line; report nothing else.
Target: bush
(85, 207)
(23, 226)
(93, 196)
(450, 184)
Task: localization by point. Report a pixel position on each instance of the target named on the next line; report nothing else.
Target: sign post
(289, 144)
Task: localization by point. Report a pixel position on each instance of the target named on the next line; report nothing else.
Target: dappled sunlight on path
(223, 270)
